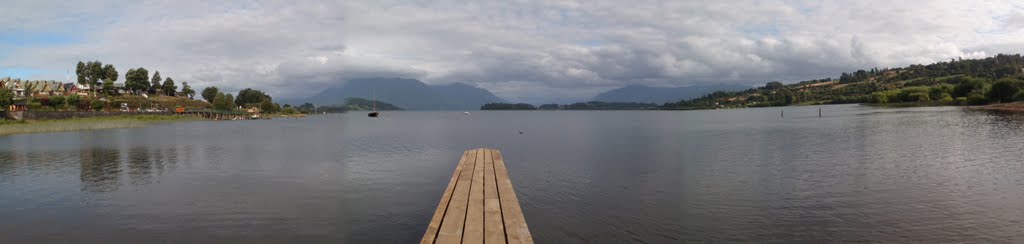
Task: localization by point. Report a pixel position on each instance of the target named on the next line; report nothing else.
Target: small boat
(374, 114)
(466, 113)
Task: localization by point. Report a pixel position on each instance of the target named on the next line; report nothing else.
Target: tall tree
(95, 73)
(155, 82)
(108, 87)
(187, 90)
(249, 96)
(169, 87)
(230, 101)
(110, 73)
(219, 102)
(137, 80)
(6, 98)
(210, 93)
(109, 76)
(83, 76)
(267, 106)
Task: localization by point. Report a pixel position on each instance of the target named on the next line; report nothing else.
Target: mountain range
(410, 94)
(660, 95)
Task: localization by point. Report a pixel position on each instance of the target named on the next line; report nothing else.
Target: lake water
(858, 174)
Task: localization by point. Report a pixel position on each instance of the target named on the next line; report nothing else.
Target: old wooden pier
(479, 205)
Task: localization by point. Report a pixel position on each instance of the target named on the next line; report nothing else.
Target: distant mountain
(408, 93)
(660, 95)
(465, 97)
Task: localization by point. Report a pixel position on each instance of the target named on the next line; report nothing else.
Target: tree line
(96, 75)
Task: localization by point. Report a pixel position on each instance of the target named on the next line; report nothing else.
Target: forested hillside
(956, 82)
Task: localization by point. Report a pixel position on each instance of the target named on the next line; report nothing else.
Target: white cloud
(521, 50)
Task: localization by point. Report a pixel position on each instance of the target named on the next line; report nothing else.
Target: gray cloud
(522, 50)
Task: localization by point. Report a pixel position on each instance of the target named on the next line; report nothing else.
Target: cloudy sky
(522, 50)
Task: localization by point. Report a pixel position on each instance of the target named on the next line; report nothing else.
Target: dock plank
(474, 232)
(454, 221)
(435, 222)
(516, 230)
(494, 228)
(479, 205)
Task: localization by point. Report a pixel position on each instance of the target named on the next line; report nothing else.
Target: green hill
(957, 82)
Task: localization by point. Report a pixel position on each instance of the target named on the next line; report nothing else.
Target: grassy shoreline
(80, 124)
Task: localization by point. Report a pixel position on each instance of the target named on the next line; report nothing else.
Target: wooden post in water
(819, 112)
(782, 113)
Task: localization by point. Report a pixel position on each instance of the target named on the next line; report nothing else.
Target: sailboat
(374, 114)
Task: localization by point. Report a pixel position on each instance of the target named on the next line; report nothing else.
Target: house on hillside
(69, 88)
(120, 89)
(52, 88)
(57, 88)
(82, 90)
(32, 87)
(15, 85)
(38, 88)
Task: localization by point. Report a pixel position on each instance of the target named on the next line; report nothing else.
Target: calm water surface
(858, 174)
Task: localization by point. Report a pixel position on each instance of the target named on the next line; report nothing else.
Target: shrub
(977, 99)
(289, 110)
(57, 101)
(98, 105)
(937, 92)
(1004, 90)
(917, 97)
(967, 86)
(914, 94)
(878, 97)
(74, 100)
(35, 105)
(961, 101)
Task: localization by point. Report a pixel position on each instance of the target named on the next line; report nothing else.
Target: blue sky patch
(23, 73)
(26, 38)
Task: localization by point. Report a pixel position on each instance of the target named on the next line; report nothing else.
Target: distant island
(998, 79)
(508, 106)
(362, 104)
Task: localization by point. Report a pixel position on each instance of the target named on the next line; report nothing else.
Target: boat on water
(374, 113)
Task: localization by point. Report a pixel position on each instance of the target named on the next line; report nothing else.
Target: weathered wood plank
(435, 222)
(494, 228)
(453, 223)
(479, 205)
(474, 232)
(516, 230)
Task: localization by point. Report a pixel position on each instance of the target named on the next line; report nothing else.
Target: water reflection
(100, 169)
(140, 165)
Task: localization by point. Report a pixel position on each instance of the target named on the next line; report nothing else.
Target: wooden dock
(479, 205)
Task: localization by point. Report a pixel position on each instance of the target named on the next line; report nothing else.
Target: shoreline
(1014, 107)
(82, 124)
